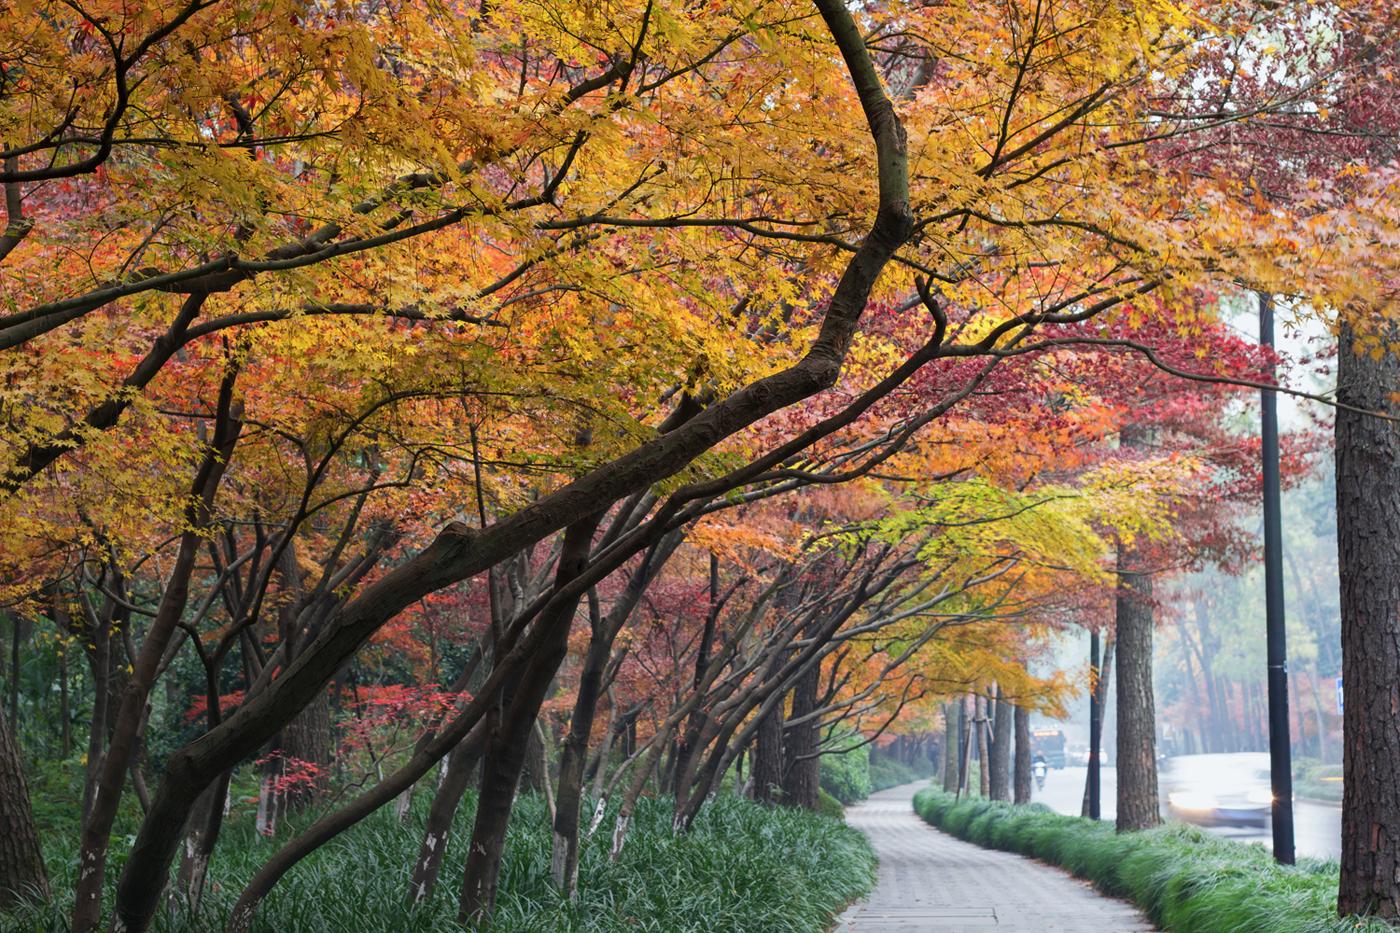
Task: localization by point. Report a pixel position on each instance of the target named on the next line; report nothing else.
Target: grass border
(1184, 879)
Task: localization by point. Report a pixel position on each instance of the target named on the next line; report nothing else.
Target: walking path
(930, 881)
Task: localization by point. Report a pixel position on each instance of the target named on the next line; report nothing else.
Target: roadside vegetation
(1184, 879)
(742, 866)
(852, 776)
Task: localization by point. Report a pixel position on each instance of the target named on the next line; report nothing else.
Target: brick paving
(930, 881)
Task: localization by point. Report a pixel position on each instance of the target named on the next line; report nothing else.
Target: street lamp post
(1280, 751)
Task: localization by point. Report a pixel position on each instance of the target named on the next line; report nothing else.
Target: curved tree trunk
(22, 874)
(1368, 529)
(461, 765)
(508, 742)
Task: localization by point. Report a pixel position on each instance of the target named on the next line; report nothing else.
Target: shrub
(846, 776)
(1184, 879)
(828, 805)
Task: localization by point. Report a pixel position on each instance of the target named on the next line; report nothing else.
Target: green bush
(828, 805)
(846, 776)
(1184, 879)
(741, 867)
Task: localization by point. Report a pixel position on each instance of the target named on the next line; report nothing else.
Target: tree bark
(307, 738)
(22, 874)
(983, 724)
(1368, 529)
(1022, 782)
(1001, 749)
(950, 749)
(800, 744)
(461, 765)
(1138, 805)
(768, 757)
(507, 744)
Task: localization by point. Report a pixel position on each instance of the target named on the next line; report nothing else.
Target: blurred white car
(1217, 790)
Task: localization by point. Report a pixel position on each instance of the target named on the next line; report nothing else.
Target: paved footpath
(930, 881)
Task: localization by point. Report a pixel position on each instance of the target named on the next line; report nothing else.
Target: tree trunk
(460, 767)
(145, 668)
(982, 722)
(1368, 529)
(800, 744)
(1022, 782)
(22, 874)
(507, 744)
(950, 749)
(964, 746)
(1001, 750)
(1138, 806)
(768, 757)
(308, 739)
(207, 820)
(564, 853)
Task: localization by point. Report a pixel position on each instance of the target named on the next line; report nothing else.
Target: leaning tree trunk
(459, 767)
(768, 757)
(1022, 781)
(21, 863)
(800, 744)
(1138, 806)
(564, 852)
(1001, 749)
(1368, 527)
(507, 744)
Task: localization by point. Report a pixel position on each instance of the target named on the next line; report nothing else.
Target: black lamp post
(1280, 750)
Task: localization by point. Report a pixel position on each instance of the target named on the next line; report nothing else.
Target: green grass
(742, 867)
(1184, 879)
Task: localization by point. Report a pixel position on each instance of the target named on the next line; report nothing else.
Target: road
(1317, 827)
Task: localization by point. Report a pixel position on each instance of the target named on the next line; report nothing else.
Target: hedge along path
(930, 881)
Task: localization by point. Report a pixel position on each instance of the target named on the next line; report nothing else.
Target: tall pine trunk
(1022, 781)
(1001, 749)
(950, 748)
(1138, 806)
(22, 874)
(1368, 529)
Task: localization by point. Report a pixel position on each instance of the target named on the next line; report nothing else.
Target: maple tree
(783, 341)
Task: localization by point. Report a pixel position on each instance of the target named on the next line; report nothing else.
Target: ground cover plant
(742, 866)
(1184, 879)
